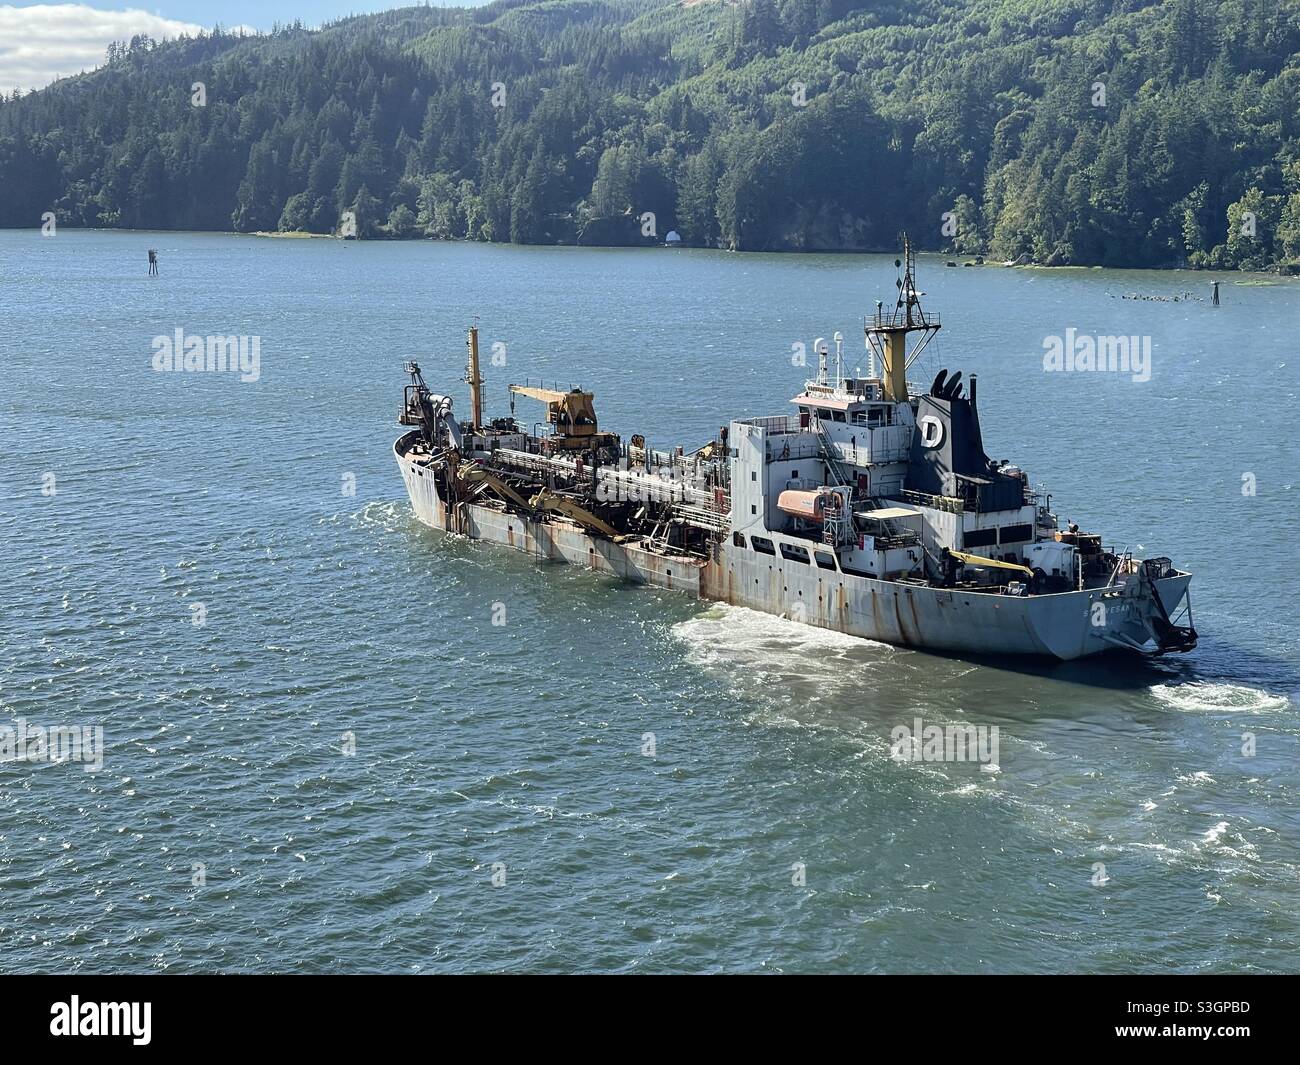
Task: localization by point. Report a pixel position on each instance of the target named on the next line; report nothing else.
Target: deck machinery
(872, 510)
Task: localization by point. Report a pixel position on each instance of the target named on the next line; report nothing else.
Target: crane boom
(993, 563)
(573, 414)
(546, 395)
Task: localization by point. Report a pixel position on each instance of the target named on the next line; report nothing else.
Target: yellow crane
(995, 563)
(573, 414)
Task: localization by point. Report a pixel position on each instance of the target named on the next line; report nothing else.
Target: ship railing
(856, 455)
(899, 317)
(780, 423)
(782, 449)
(951, 504)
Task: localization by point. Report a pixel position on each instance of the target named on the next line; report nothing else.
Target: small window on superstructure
(794, 553)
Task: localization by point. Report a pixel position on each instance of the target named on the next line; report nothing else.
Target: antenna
(871, 348)
(887, 334)
(839, 359)
(819, 345)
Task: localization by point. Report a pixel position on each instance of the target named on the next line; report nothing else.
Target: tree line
(1109, 132)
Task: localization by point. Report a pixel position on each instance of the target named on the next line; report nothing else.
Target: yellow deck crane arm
(573, 414)
(994, 563)
(546, 395)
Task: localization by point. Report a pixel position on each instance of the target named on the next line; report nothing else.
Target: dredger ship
(872, 509)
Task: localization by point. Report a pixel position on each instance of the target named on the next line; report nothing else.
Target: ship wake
(1208, 697)
(759, 650)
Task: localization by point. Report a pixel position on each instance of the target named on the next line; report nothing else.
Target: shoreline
(1281, 271)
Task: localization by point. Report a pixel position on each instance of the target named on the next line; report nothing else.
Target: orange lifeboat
(807, 505)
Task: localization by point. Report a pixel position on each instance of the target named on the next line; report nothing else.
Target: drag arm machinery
(429, 412)
(478, 479)
(557, 504)
(478, 476)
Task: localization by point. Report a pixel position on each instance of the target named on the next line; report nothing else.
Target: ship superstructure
(872, 509)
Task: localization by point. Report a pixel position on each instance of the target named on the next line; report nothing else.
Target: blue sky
(43, 41)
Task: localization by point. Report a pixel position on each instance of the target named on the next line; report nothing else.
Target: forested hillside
(1114, 132)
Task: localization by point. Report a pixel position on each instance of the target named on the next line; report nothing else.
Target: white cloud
(48, 41)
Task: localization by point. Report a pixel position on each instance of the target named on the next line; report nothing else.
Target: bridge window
(838, 415)
(980, 537)
(738, 539)
(826, 561)
(763, 545)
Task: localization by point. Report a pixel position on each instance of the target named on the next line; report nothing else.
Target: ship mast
(474, 378)
(887, 331)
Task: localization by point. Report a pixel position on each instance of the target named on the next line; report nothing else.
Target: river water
(321, 755)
